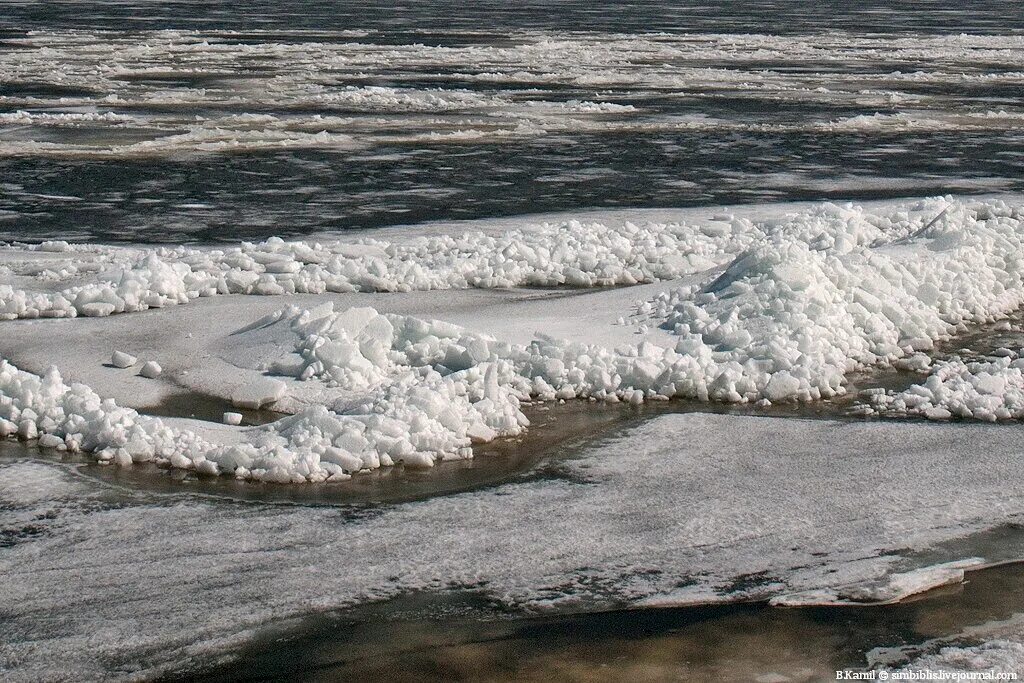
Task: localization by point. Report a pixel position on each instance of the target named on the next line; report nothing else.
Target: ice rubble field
(984, 390)
(115, 582)
(111, 85)
(751, 308)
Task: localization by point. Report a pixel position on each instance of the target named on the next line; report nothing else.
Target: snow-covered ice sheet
(749, 309)
(227, 353)
(100, 580)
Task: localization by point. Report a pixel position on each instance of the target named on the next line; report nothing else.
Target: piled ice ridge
(983, 390)
(796, 312)
(418, 417)
(571, 253)
(786, 320)
(133, 285)
(74, 418)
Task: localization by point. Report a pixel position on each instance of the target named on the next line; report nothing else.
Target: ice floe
(982, 662)
(790, 505)
(892, 588)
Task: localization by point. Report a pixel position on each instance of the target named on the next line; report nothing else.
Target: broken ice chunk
(120, 359)
(151, 369)
(258, 393)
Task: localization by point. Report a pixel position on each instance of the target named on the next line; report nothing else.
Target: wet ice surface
(444, 639)
(226, 125)
(111, 576)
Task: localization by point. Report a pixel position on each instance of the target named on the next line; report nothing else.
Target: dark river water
(198, 122)
(744, 642)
